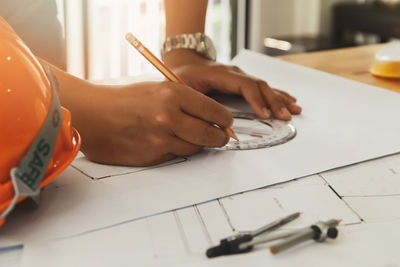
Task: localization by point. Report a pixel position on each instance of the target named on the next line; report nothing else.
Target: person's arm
(144, 123)
(184, 16)
(188, 16)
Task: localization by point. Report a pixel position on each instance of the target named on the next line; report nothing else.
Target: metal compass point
(256, 133)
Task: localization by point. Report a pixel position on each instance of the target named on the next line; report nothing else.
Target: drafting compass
(257, 133)
(246, 241)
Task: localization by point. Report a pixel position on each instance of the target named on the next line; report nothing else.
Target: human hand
(205, 75)
(147, 123)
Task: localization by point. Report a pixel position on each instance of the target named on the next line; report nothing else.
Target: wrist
(198, 43)
(181, 57)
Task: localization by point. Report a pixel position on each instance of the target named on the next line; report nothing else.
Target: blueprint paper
(11, 258)
(343, 122)
(374, 209)
(357, 245)
(315, 202)
(380, 177)
(101, 171)
(368, 245)
(184, 235)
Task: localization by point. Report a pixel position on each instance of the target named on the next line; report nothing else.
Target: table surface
(351, 63)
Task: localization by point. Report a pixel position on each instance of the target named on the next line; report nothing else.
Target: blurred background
(94, 29)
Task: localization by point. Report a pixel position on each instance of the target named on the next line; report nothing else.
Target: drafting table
(180, 237)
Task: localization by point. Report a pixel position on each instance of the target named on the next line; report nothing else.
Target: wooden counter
(352, 63)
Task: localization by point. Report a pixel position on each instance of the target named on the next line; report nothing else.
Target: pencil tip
(232, 134)
(235, 137)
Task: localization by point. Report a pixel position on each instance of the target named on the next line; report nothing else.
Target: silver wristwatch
(199, 42)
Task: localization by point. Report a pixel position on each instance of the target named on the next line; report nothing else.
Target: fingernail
(285, 113)
(266, 113)
(296, 108)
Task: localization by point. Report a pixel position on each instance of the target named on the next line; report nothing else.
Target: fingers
(253, 96)
(257, 93)
(200, 133)
(232, 80)
(289, 102)
(280, 102)
(286, 94)
(276, 104)
(180, 147)
(261, 97)
(205, 108)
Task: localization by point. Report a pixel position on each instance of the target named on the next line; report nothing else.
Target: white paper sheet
(100, 249)
(214, 221)
(309, 195)
(380, 177)
(184, 235)
(343, 122)
(371, 245)
(368, 245)
(376, 209)
(10, 257)
(196, 237)
(97, 171)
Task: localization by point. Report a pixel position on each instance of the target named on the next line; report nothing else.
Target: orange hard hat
(37, 141)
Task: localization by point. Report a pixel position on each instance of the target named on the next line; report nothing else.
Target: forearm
(72, 90)
(185, 16)
(82, 98)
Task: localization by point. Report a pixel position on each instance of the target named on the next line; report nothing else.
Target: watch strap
(183, 41)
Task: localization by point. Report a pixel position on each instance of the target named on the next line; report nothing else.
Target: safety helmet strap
(26, 178)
